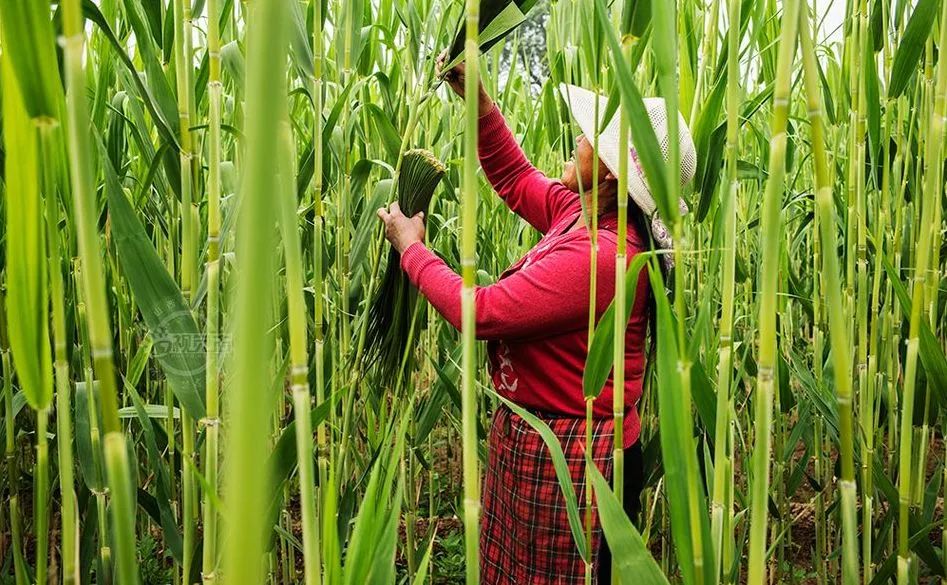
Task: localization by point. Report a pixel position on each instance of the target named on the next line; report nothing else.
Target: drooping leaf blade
(909, 51)
(601, 356)
(178, 344)
(634, 563)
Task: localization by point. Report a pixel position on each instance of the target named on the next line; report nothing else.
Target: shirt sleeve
(548, 297)
(526, 190)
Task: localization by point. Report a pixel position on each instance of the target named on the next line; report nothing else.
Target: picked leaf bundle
(393, 306)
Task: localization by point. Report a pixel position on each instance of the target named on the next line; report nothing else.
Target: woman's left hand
(400, 230)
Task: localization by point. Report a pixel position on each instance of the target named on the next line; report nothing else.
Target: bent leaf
(633, 560)
(178, 344)
(562, 472)
(601, 357)
(498, 18)
(912, 45)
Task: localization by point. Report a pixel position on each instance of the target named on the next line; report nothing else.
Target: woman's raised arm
(527, 191)
(548, 297)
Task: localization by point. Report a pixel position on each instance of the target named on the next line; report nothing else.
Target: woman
(535, 320)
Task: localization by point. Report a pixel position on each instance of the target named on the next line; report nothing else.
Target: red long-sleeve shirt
(535, 317)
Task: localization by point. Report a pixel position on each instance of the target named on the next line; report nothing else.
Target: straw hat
(582, 104)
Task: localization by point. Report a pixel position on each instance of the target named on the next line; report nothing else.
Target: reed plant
(204, 338)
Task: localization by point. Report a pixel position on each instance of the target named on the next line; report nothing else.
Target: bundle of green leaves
(392, 310)
(498, 18)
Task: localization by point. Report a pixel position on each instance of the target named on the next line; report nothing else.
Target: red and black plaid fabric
(524, 533)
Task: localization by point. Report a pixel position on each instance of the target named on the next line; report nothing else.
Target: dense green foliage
(200, 376)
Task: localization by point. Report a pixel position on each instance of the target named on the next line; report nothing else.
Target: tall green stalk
(592, 219)
(16, 531)
(212, 329)
(770, 244)
(343, 235)
(299, 358)
(41, 488)
(251, 400)
(621, 320)
(933, 191)
(68, 511)
(93, 281)
(183, 69)
(835, 307)
(41, 495)
(468, 250)
(322, 445)
(721, 516)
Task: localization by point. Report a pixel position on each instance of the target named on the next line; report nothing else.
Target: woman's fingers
(392, 213)
(440, 62)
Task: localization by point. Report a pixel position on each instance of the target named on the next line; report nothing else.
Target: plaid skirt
(525, 536)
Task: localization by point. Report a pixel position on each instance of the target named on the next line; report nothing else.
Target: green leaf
(29, 45)
(391, 138)
(231, 57)
(167, 126)
(643, 136)
(685, 488)
(27, 301)
(498, 18)
(83, 433)
(178, 344)
(601, 356)
(908, 54)
(283, 458)
(634, 562)
(368, 223)
(635, 17)
(156, 464)
(150, 410)
(562, 471)
(873, 103)
(371, 551)
(420, 577)
(932, 356)
(709, 139)
(300, 49)
(348, 36)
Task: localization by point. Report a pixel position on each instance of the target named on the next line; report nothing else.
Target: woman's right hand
(456, 78)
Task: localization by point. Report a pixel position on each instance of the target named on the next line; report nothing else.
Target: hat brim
(585, 106)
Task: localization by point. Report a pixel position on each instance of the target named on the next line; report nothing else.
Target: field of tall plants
(213, 370)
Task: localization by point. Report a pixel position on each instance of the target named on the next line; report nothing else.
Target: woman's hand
(456, 78)
(400, 230)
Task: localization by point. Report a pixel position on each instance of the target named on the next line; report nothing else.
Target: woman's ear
(610, 177)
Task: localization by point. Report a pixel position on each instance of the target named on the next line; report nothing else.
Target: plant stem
(722, 450)
(251, 396)
(100, 336)
(68, 512)
(16, 531)
(468, 251)
(770, 246)
(933, 190)
(212, 329)
(838, 328)
(299, 359)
